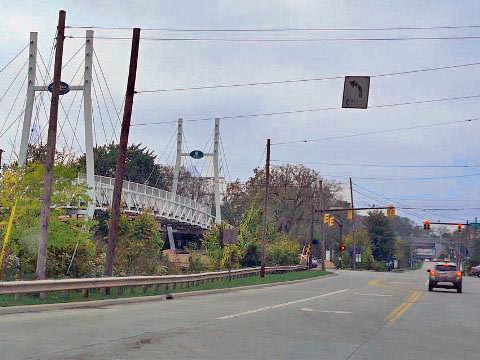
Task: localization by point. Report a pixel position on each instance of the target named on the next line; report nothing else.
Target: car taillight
(459, 274)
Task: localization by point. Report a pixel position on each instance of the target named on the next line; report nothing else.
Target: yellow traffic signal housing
(326, 219)
(426, 225)
(331, 221)
(350, 214)
(390, 212)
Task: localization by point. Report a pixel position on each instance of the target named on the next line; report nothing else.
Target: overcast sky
(179, 64)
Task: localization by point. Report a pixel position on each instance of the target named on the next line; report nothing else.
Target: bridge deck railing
(137, 196)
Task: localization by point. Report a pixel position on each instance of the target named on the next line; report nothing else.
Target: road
(355, 315)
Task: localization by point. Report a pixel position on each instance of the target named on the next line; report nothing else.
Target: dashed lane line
(249, 312)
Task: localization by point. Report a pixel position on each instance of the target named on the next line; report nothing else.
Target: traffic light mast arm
(355, 209)
(449, 223)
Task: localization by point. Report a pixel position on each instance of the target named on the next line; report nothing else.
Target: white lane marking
(326, 311)
(371, 294)
(400, 282)
(279, 305)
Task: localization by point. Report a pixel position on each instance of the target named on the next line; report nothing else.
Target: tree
(24, 186)
(293, 190)
(380, 234)
(139, 246)
(139, 168)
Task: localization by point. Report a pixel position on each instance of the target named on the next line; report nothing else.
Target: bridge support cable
(100, 113)
(13, 59)
(117, 110)
(100, 87)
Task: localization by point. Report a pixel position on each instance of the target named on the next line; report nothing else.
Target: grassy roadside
(73, 296)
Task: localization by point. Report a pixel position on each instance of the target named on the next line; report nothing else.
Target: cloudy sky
(166, 64)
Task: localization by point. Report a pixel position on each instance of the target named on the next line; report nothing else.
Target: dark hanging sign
(196, 154)
(64, 88)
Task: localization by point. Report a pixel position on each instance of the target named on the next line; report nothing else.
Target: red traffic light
(459, 227)
(342, 248)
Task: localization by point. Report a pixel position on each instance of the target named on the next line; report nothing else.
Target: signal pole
(50, 157)
(265, 209)
(353, 228)
(122, 154)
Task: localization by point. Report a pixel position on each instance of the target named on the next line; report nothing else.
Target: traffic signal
(342, 248)
(459, 227)
(349, 214)
(331, 221)
(390, 212)
(326, 219)
(426, 225)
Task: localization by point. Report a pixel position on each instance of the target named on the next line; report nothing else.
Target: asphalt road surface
(355, 315)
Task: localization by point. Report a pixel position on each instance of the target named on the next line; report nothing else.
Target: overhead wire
(376, 165)
(368, 133)
(398, 202)
(280, 29)
(301, 111)
(287, 40)
(290, 81)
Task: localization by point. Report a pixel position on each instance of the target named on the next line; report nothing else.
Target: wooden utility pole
(322, 243)
(122, 154)
(50, 156)
(312, 220)
(1, 152)
(265, 209)
(353, 228)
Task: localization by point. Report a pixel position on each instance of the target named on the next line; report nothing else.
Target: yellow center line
(402, 308)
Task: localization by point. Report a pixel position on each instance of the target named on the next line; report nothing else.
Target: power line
(378, 132)
(285, 40)
(282, 29)
(301, 111)
(405, 178)
(389, 199)
(292, 81)
(376, 165)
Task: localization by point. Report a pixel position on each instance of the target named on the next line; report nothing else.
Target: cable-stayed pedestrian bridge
(164, 204)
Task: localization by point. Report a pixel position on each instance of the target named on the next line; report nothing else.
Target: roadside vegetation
(76, 246)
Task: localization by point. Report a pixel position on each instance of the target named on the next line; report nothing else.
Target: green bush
(282, 252)
(195, 264)
(251, 255)
(379, 266)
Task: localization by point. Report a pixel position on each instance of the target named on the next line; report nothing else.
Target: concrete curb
(91, 304)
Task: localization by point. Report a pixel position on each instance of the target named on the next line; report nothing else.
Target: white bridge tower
(86, 87)
(196, 154)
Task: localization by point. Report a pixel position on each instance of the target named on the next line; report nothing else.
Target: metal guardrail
(137, 197)
(45, 286)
